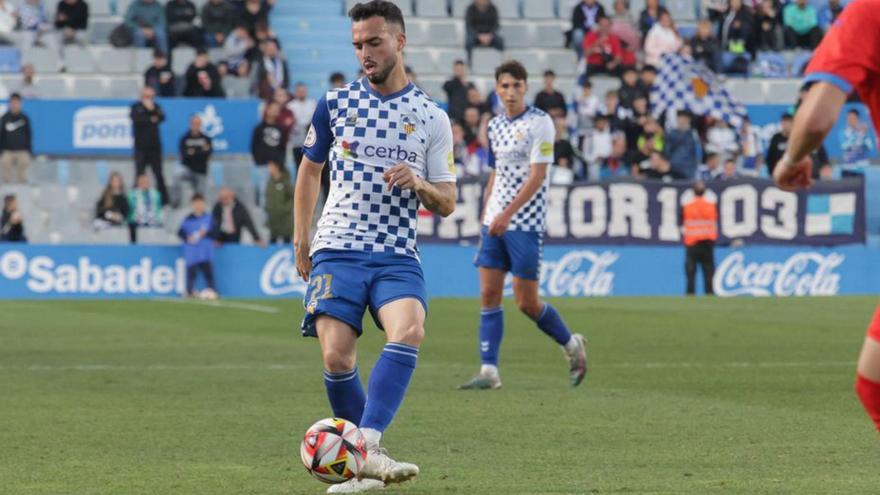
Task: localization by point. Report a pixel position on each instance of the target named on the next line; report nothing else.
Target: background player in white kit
(521, 149)
(389, 148)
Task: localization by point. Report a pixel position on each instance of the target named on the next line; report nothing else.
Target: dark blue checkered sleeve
(320, 137)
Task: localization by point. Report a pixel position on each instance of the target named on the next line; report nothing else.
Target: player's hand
(499, 225)
(794, 177)
(402, 176)
(301, 256)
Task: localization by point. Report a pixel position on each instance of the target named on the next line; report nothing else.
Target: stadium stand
(315, 39)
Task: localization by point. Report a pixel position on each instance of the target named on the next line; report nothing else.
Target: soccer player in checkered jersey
(847, 59)
(520, 152)
(389, 149)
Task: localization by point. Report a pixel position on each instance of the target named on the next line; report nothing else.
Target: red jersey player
(848, 59)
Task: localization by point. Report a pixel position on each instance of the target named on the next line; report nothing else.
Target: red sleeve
(616, 48)
(850, 52)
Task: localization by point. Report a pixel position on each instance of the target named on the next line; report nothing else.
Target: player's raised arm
(308, 184)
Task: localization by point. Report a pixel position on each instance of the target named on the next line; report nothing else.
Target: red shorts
(874, 328)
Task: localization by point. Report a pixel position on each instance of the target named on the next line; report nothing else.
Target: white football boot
(383, 468)
(577, 359)
(357, 486)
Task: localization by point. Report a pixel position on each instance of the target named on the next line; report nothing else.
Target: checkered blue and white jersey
(360, 134)
(514, 145)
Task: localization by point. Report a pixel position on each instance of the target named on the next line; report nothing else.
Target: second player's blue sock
(388, 383)
(491, 333)
(346, 394)
(551, 323)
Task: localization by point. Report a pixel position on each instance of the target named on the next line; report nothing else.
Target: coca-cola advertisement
(628, 212)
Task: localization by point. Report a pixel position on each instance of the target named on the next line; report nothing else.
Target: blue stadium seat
(10, 60)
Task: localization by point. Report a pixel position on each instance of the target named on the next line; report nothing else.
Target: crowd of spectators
(614, 134)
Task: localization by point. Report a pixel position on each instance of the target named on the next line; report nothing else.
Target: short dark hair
(197, 197)
(710, 155)
(854, 111)
(159, 54)
(684, 113)
(549, 73)
(9, 198)
(649, 68)
(787, 116)
(378, 8)
(337, 76)
(513, 69)
(201, 50)
(15, 96)
(458, 61)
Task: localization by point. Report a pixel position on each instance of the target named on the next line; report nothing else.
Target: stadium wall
(56, 272)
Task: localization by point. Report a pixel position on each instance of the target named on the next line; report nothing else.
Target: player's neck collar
(517, 116)
(369, 89)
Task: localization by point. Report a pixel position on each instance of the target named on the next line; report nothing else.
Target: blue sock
(388, 382)
(551, 323)
(491, 333)
(346, 394)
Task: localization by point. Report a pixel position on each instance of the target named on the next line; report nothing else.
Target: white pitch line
(285, 367)
(222, 304)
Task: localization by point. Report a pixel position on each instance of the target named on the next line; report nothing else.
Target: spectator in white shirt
(8, 21)
(662, 39)
(600, 147)
(302, 107)
(721, 139)
(586, 107)
(235, 49)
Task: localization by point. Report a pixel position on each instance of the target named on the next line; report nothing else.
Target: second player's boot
(380, 466)
(576, 353)
(485, 380)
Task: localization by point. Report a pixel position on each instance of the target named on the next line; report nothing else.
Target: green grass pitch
(684, 396)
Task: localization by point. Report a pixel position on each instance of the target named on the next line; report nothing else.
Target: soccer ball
(333, 450)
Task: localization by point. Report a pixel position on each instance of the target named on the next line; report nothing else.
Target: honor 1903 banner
(646, 212)
(130, 272)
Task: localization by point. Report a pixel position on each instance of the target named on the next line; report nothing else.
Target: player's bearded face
(378, 47)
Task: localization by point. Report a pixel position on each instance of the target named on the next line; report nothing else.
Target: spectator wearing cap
(202, 78)
(481, 25)
(456, 90)
(218, 20)
(180, 16)
(269, 72)
(8, 22)
(11, 221)
(195, 150)
(160, 77)
(229, 218)
(15, 142)
(549, 99)
(36, 29)
(801, 24)
(584, 18)
(72, 20)
(662, 39)
(603, 49)
(146, 20)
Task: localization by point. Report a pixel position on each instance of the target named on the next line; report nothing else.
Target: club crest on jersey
(349, 149)
(311, 137)
(408, 123)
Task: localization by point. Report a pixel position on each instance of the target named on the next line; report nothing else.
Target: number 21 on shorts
(319, 288)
